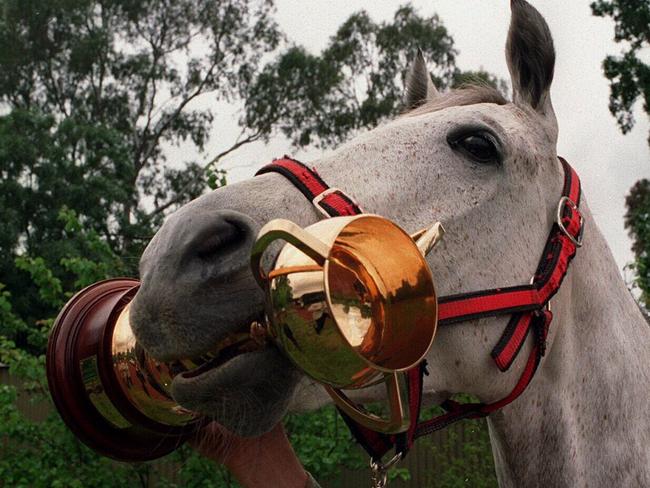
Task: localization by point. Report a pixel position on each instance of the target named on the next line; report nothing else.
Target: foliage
(325, 446)
(323, 442)
(474, 450)
(629, 76)
(637, 221)
(355, 82)
(45, 453)
(629, 79)
(91, 261)
(34, 457)
(91, 94)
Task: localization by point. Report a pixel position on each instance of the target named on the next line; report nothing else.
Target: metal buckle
(548, 304)
(319, 198)
(564, 201)
(380, 471)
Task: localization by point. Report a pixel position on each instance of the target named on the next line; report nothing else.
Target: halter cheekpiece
(528, 305)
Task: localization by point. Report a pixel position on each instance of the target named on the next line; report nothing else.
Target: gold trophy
(350, 300)
(109, 392)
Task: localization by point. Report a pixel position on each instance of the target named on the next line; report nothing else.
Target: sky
(608, 162)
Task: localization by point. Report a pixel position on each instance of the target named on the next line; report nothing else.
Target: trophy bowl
(110, 393)
(351, 301)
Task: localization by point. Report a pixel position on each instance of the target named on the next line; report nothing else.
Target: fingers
(214, 442)
(255, 462)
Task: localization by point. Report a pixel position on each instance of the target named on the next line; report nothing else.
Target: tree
(629, 79)
(629, 76)
(637, 221)
(92, 92)
(95, 90)
(355, 82)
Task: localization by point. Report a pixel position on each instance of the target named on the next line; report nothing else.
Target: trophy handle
(427, 238)
(291, 233)
(399, 419)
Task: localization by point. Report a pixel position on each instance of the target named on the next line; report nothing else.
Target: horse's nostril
(218, 243)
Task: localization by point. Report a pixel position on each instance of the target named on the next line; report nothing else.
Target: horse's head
(485, 167)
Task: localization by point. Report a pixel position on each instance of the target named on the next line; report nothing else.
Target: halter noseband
(528, 305)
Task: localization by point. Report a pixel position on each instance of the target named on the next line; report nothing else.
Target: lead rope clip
(380, 471)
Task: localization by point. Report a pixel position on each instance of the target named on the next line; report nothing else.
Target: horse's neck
(584, 419)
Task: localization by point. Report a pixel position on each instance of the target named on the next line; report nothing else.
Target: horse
(488, 169)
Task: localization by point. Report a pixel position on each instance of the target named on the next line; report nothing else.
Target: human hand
(264, 461)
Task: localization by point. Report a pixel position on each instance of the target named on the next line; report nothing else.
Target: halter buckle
(567, 201)
(548, 303)
(317, 201)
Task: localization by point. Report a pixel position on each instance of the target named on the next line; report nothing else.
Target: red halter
(527, 304)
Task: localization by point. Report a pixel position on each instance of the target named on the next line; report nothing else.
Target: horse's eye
(479, 147)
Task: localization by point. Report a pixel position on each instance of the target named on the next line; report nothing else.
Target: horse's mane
(465, 95)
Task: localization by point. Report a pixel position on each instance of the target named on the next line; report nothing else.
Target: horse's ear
(419, 87)
(531, 57)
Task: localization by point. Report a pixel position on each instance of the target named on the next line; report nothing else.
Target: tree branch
(156, 55)
(238, 143)
(163, 126)
(181, 193)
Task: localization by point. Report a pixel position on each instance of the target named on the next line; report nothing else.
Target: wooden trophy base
(82, 381)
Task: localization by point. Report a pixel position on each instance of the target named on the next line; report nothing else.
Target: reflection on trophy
(110, 393)
(350, 301)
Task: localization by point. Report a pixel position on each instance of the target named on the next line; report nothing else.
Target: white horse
(488, 169)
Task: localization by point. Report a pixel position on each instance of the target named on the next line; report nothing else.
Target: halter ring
(567, 201)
